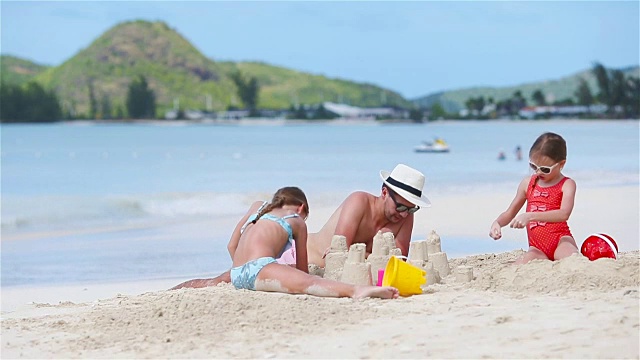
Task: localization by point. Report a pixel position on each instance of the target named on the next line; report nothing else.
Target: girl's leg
(200, 283)
(281, 278)
(566, 247)
(532, 254)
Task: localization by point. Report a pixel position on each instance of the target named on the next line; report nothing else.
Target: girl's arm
(300, 236)
(511, 212)
(235, 235)
(560, 215)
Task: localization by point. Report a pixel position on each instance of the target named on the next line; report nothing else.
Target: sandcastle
(438, 260)
(436, 256)
(336, 257)
(356, 271)
(464, 274)
(354, 267)
(380, 253)
(350, 265)
(419, 256)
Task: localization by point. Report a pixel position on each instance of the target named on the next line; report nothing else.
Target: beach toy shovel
(380, 277)
(403, 276)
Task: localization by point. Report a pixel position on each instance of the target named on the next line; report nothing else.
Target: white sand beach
(572, 308)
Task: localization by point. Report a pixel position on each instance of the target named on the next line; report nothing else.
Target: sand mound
(192, 323)
(496, 272)
(590, 311)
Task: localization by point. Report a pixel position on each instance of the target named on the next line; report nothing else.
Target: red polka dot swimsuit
(545, 236)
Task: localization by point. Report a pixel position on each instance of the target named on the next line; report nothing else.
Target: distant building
(274, 114)
(340, 110)
(194, 115)
(188, 115)
(171, 115)
(354, 112)
(487, 110)
(232, 114)
(532, 112)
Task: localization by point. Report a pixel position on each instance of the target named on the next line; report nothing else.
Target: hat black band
(404, 186)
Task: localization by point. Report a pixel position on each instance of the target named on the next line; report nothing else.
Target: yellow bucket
(404, 277)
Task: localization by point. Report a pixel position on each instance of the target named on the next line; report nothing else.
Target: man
(361, 215)
(359, 218)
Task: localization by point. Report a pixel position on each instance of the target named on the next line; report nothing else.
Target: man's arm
(404, 235)
(353, 209)
(300, 235)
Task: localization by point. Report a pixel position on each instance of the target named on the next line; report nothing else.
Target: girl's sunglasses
(543, 169)
(402, 208)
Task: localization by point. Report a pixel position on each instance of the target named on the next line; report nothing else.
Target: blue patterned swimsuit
(244, 276)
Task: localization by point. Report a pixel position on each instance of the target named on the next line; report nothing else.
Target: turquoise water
(152, 181)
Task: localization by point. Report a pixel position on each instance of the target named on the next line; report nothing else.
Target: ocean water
(88, 202)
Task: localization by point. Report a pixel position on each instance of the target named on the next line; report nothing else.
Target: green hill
(172, 66)
(281, 87)
(560, 89)
(176, 70)
(14, 70)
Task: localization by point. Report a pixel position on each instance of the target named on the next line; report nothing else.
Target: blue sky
(415, 48)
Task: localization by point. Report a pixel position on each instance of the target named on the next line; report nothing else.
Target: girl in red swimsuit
(549, 196)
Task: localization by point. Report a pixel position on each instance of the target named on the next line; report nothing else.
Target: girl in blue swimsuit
(265, 232)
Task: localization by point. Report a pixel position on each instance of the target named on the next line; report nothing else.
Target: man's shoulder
(355, 207)
(358, 202)
(359, 196)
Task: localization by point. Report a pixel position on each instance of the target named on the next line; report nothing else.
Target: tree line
(32, 103)
(620, 94)
(28, 103)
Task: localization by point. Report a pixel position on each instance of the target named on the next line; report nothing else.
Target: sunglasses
(543, 169)
(402, 208)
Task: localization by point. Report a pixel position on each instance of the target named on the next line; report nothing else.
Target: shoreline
(283, 121)
(444, 217)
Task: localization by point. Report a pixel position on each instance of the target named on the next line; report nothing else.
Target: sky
(415, 48)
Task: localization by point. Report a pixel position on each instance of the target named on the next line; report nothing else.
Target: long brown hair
(289, 195)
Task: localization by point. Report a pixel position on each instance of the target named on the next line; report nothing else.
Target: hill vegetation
(555, 90)
(17, 71)
(177, 72)
(96, 82)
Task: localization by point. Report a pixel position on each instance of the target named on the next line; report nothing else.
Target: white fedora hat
(406, 182)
